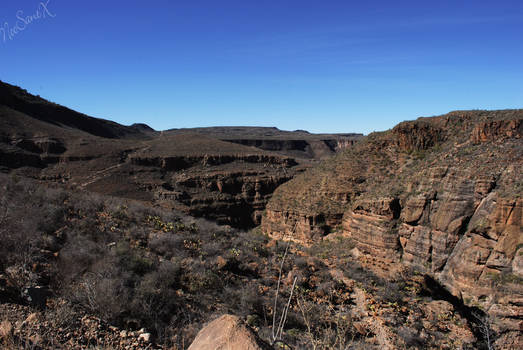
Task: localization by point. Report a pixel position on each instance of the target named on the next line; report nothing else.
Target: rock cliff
(442, 195)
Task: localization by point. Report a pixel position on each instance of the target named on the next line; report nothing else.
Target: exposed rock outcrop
(372, 224)
(440, 194)
(175, 163)
(416, 136)
(497, 130)
(230, 197)
(227, 333)
(41, 145)
(481, 267)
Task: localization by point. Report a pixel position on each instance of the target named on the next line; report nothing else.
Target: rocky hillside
(17, 99)
(80, 270)
(224, 174)
(443, 195)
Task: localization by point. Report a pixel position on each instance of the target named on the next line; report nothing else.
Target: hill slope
(35, 107)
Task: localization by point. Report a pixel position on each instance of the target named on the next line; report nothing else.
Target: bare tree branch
(275, 332)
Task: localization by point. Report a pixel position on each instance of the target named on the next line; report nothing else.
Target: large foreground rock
(228, 333)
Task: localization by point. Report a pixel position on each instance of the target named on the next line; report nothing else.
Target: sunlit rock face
(442, 195)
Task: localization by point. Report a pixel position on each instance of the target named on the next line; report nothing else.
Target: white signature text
(8, 32)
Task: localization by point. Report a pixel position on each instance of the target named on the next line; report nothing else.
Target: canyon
(412, 236)
(226, 174)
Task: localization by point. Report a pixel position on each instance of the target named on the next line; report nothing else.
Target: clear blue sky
(324, 66)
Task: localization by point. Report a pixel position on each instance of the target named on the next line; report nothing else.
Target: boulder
(227, 332)
(6, 329)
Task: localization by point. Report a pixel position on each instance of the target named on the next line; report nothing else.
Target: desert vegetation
(130, 267)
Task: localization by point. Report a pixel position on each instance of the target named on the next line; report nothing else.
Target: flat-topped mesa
(311, 147)
(442, 194)
(298, 143)
(175, 163)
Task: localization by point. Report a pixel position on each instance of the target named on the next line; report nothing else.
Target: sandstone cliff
(440, 194)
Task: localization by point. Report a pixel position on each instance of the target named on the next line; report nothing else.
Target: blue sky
(323, 66)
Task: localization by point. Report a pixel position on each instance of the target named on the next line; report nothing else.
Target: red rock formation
(372, 225)
(427, 195)
(497, 130)
(418, 135)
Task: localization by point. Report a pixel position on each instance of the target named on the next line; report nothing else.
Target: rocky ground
(79, 270)
(60, 327)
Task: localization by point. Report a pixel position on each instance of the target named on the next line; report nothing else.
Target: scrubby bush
(168, 245)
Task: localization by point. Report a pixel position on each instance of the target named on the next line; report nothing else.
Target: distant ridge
(36, 107)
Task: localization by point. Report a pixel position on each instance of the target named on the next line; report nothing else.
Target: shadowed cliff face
(302, 148)
(442, 194)
(229, 188)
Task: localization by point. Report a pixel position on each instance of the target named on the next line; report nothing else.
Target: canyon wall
(442, 195)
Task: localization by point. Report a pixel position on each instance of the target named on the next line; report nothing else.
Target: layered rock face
(373, 226)
(297, 144)
(320, 148)
(419, 135)
(234, 195)
(442, 194)
(181, 162)
(496, 130)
